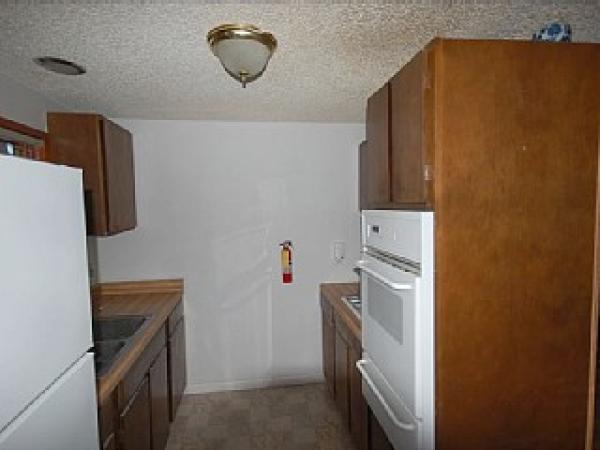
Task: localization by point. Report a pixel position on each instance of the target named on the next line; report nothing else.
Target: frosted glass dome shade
(244, 50)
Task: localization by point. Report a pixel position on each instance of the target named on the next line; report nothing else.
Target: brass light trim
(241, 31)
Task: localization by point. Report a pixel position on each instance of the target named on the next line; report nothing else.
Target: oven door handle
(362, 265)
(405, 426)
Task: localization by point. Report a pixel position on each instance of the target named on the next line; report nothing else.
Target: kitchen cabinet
(107, 425)
(328, 347)
(176, 361)
(110, 443)
(159, 395)
(104, 151)
(475, 137)
(398, 171)
(144, 360)
(342, 398)
(341, 350)
(376, 181)
(135, 420)
(358, 405)
(362, 175)
(409, 167)
(376, 437)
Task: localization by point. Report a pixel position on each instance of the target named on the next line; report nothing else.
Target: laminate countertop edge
(333, 293)
(153, 298)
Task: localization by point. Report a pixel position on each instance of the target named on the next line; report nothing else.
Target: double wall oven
(397, 290)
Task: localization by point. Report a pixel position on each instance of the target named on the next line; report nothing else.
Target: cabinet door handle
(405, 426)
(362, 265)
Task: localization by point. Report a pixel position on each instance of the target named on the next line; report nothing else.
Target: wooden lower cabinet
(138, 414)
(107, 423)
(110, 443)
(341, 351)
(159, 395)
(177, 369)
(135, 420)
(376, 437)
(342, 391)
(329, 348)
(358, 405)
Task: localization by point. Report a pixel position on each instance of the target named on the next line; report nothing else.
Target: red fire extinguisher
(286, 261)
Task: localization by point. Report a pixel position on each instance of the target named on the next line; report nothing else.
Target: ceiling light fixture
(59, 65)
(244, 50)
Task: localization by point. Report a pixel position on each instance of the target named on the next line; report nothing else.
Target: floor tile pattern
(283, 418)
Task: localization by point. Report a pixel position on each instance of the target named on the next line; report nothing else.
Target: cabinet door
(407, 148)
(342, 392)
(362, 176)
(110, 443)
(120, 178)
(177, 370)
(328, 348)
(107, 420)
(377, 173)
(75, 140)
(135, 423)
(377, 439)
(159, 399)
(358, 406)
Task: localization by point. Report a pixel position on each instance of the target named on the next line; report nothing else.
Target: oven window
(385, 306)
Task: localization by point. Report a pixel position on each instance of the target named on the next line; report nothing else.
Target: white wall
(24, 105)
(214, 200)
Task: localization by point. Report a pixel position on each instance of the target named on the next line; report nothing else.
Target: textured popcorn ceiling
(150, 60)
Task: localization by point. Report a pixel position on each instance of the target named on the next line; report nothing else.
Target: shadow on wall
(243, 286)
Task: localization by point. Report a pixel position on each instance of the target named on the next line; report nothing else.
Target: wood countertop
(153, 298)
(333, 293)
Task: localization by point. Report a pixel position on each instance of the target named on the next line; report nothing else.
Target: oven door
(389, 331)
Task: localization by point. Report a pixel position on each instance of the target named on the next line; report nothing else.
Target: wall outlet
(338, 251)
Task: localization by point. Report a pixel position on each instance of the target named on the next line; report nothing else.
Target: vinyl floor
(282, 418)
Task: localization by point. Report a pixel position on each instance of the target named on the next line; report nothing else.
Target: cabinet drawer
(174, 318)
(140, 368)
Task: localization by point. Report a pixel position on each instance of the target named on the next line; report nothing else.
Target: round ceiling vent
(59, 65)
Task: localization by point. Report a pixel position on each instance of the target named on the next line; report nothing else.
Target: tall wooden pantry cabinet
(500, 140)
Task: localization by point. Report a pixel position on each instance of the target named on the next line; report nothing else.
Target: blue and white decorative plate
(554, 32)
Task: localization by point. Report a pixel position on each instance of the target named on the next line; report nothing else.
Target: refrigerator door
(63, 418)
(45, 318)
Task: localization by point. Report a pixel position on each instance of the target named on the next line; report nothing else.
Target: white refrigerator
(47, 378)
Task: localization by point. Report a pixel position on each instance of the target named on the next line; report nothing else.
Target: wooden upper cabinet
(397, 170)
(104, 151)
(377, 172)
(362, 175)
(408, 157)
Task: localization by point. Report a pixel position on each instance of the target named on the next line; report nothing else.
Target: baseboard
(204, 388)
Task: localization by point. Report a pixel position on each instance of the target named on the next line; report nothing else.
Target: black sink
(116, 327)
(355, 303)
(111, 335)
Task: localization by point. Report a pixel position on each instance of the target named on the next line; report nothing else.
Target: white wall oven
(397, 291)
